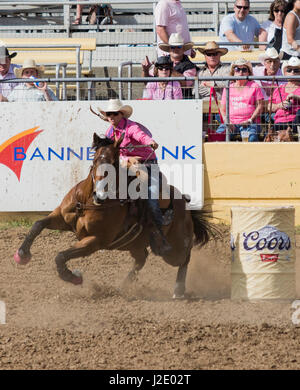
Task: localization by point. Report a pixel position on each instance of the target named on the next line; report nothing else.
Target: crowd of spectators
(250, 102)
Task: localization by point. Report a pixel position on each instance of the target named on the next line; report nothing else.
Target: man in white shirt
(240, 26)
(170, 17)
(6, 73)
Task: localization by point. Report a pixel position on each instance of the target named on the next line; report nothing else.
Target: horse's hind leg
(52, 221)
(181, 278)
(84, 247)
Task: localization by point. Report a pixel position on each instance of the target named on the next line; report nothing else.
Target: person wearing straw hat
(245, 102)
(212, 67)
(30, 91)
(270, 61)
(286, 98)
(7, 72)
(135, 134)
(170, 17)
(182, 65)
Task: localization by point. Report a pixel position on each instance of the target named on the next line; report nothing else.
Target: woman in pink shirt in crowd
(245, 102)
(164, 90)
(286, 98)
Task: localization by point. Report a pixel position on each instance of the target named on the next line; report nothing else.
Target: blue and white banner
(45, 148)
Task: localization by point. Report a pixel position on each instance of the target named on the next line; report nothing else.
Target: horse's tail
(204, 230)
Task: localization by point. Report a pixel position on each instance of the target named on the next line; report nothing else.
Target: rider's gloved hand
(154, 145)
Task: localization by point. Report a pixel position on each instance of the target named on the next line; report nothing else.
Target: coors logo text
(266, 238)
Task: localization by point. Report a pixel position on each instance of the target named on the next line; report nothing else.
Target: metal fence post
(227, 120)
(196, 87)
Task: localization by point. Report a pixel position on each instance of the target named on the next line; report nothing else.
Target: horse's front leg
(52, 221)
(84, 247)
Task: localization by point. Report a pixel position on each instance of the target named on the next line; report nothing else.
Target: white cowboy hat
(176, 40)
(293, 61)
(270, 53)
(29, 63)
(115, 105)
(242, 61)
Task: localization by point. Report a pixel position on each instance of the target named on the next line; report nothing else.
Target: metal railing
(196, 80)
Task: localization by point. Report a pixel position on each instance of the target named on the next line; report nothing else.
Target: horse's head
(105, 167)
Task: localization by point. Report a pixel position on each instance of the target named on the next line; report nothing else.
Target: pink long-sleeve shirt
(135, 134)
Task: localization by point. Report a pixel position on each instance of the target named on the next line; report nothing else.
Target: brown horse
(118, 224)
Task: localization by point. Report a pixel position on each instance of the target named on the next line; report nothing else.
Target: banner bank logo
(8, 148)
(13, 152)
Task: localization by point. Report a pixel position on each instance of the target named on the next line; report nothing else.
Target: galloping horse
(116, 224)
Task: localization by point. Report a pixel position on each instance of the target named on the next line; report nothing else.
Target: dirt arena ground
(51, 324)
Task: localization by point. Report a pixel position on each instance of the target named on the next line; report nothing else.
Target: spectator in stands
(78, 18)
(170, 17)
(7, 72)
(273, 26)
(29, 91)
(182, 65)
(240, 26)
(245, 102)
(270, 60)
(212, 67)
(291, 30)
(286, 98)
(164, 90)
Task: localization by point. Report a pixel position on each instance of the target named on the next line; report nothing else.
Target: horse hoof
(77, 277)
(177, 296)
(21, 260)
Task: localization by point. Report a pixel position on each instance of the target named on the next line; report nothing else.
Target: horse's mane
(99, 142)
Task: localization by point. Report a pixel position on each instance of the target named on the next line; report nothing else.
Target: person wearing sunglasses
(163, 90)
(273, 26)
(182, 65)
(245, 103)
(286, 98)
(291, 30)
(135, 134)
(170, 17)
(240, 27)
(213, 67)
(270, 66)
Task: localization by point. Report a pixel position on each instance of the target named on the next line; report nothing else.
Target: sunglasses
(290, 70)
(112, 113)
(176, 47)
(278, 10)
(212, 54)
(163, 68)
(242, 7)
(243, 70)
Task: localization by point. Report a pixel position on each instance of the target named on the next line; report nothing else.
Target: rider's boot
(158, 242)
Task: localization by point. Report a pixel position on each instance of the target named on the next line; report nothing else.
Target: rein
(131, 147)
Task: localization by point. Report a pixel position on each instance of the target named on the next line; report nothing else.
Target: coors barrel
(263, 253)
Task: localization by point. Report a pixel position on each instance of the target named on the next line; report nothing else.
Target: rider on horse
(135, 134)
